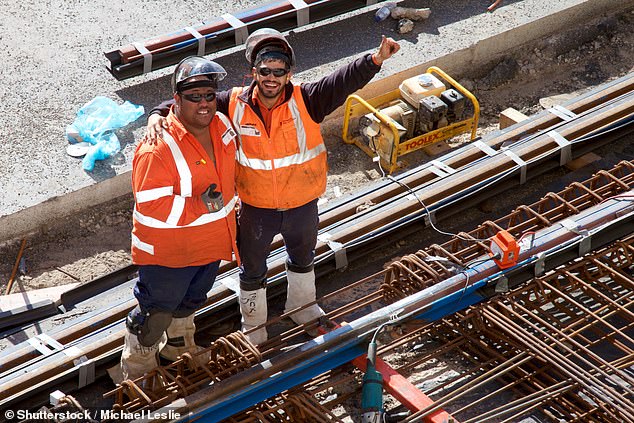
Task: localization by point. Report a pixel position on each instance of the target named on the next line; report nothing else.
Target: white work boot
(136, 359)
(301, 291)
(253, 308)
(180, 340)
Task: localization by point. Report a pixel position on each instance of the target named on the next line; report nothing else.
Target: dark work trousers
(298, 227)
(180, 291)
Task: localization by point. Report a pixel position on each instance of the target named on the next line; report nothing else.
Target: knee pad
(148, 326)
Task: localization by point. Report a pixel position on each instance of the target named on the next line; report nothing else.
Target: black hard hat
(193, 66)
(268, 43)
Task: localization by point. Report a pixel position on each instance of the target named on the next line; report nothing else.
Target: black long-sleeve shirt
(321, 97)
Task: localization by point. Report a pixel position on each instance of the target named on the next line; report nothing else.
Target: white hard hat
(268, 41)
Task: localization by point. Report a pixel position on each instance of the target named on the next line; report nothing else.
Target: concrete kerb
(482, 54)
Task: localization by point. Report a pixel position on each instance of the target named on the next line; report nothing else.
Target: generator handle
(465, 92)
(381, 116)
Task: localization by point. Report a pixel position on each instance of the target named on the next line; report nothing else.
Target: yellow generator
(426, 109)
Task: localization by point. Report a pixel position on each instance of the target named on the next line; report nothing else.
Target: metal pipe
(168, 49)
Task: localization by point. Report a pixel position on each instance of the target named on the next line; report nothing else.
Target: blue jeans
(180, 291)
(298, 227)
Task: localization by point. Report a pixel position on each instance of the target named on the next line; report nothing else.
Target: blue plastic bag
(96, 122)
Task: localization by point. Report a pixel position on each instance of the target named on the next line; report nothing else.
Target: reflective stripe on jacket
(286, 168)
(171, 224)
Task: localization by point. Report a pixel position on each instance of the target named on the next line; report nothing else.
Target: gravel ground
(54, 63)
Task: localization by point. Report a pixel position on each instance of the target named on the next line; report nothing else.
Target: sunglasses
(197, 98)
(264, 71)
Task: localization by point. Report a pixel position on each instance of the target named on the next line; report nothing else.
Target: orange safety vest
(172, 225)
(286, 168)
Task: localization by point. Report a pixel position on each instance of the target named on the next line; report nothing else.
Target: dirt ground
(89, 245)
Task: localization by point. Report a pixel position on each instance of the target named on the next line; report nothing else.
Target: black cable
(411, 191)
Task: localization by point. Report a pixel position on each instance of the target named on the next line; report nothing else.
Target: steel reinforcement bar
(597, 220)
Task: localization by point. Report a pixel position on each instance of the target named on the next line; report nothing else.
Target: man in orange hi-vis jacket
(184, 219)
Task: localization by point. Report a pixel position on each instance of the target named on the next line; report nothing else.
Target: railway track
(479, 171)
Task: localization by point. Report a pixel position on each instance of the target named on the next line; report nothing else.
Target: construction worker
(184, 219)
(281, 166)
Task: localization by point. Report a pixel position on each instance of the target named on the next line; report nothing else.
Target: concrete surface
(54, 63)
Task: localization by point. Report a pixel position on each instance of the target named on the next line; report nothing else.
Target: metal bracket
(585, 244)
(564, 145)
(42, 342)
(441, 169)
(562, 113)
(540, 264)
(86, 370)
(239, 27)
(341, 257)
(522, 164)
(429, 218)
(485, 148)
(199, 37)
(303, 13)
(147, 56)
(502, 284)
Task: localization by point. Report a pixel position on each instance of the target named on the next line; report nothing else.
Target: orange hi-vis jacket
(286, 168)
(172, 225)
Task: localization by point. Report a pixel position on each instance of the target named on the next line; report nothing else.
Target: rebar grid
(526, 373)
(422, 269)
(563, 345)
(559, 346)
(225, 357)
(298, 407)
